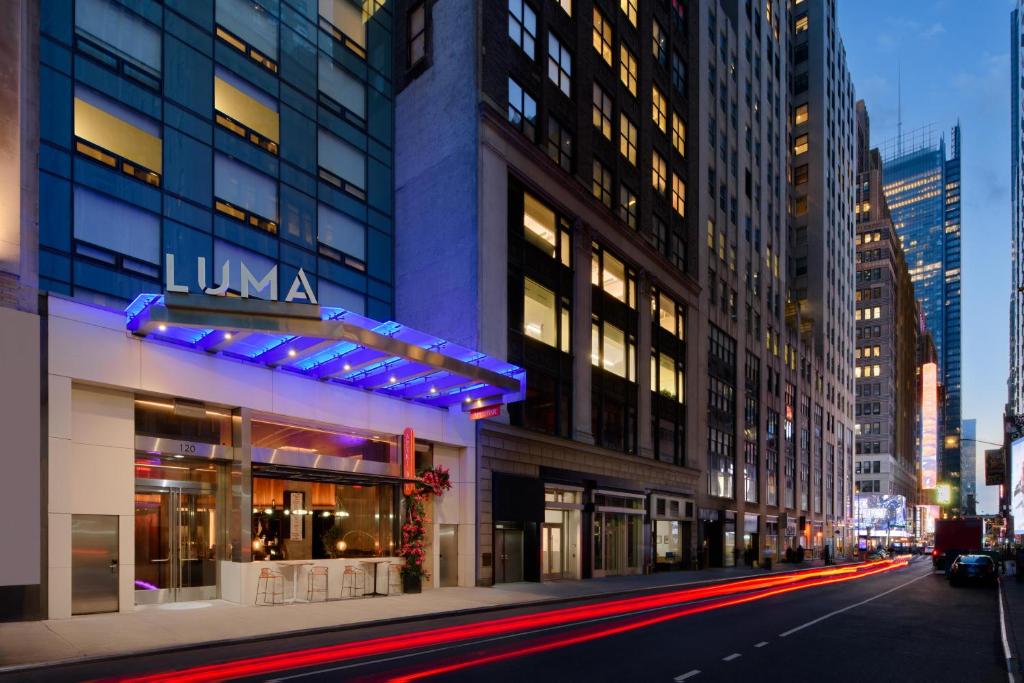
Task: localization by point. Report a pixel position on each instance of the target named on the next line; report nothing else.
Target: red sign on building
(409, 459)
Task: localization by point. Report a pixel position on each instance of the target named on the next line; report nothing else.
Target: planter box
(411, 584)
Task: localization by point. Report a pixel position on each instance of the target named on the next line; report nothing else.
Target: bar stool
(394, 577)
(350, 578)
(270, 583)
(316, 573)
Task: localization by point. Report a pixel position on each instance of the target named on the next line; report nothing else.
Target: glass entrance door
(175, 555)
(552, 552)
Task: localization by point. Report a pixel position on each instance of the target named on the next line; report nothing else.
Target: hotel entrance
(618, 533)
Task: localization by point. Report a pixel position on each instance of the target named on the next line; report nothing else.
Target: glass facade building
(922, 187)
(216, 132)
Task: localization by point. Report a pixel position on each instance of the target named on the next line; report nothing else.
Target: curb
(339, 628)
(1011, 658)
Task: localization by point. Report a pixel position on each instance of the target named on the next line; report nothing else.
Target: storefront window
(374, 448)
(293, 519)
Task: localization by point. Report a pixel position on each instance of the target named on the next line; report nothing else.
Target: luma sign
(249, 285)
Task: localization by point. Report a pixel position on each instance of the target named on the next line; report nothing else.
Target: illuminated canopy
(330, 344)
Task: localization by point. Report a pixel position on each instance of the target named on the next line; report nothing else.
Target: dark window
(417, 40)
(559, 144)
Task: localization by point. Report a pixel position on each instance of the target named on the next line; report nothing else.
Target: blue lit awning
(330, 344)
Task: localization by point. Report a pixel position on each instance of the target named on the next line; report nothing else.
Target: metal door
(508, 553)
(94, 564)
(174, 546)
(449, 544)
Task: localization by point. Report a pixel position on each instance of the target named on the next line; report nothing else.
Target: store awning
(330, 344)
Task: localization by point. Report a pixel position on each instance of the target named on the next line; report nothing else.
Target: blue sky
(955, 62)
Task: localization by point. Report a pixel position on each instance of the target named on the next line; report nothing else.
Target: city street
(902, 623)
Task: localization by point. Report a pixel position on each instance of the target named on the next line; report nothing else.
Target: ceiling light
(227, 335)
(162, 328)
(291, 353)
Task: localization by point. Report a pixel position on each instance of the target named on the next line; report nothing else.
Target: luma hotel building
(616, 236)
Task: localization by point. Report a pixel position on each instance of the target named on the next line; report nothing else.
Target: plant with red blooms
(433, 482)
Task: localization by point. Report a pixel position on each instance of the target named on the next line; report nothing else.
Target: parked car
(877, 554)
(973, 569)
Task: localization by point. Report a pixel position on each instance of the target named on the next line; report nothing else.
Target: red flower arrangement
(433, 482)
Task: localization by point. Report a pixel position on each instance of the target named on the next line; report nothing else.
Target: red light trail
(758, 588)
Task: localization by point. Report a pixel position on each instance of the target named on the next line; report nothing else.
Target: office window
(117, 136)
(417, 35)
(137, 232)
(612, 351)
(340, 90)
(343, 234)
(540, 315)
(522, 109)
(800, 205)
(627, 206)
(628, 8)
(678, 134)
(627, 69)
(559, 65)
(800, 144)
(801, 24)
(245, 194)
(659, 109)
(246, 110)
(612, 276)
(540, 230)
(678, 74)
(602, 37)
(343, 19)
(678, 195)
(559, 144)
(602, 184)
(341, 164)
(627, 139)
(659, 43)
(120, 39)
(330, 294)
(522, 27)
(800, 114)
(800, 174)
(566, 5)
(602, 112)
(250, 29)
(659, 173)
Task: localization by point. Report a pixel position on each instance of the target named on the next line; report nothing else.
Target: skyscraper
(922, 187)
(1015, 379)
(968, 462)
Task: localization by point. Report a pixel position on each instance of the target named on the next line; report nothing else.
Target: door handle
(113, 566)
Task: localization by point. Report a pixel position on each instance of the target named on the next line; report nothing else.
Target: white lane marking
(849, 607)
(762, 643)
(734, 655)
(1002, 632)
(689, 674)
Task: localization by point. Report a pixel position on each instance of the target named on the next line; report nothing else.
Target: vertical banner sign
(929, 425)
(995, 467)
(409, 459)
(296, 527)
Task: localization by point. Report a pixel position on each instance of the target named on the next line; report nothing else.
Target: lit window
(522, 109)
(800, 175)
(659, 109)
(678, 195)
(251, 30)
(668, 376)
(609, 274)
(800, 114)
(246, 110)
(566, 5)
(120, 39)
(602, 112)
(539, 313)
(340, 91)
(659, 173)
(659, 43)
(800, 144)
(627, 139)
(417, 38)
(609, 350)
(602, 185)
(344, 21)
(602, 37)
(117, 136)
(800, 24)
(559, 64)
(678, 134)
(711, 234)
(800, 205)
(539, 224)
(627, 69)
(522, 26)
(627, 206)
(629, 9)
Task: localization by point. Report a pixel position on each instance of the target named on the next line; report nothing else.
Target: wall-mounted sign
(266, 286)
(486, 411)
(409, 459)
(296, 526)
(995, 467)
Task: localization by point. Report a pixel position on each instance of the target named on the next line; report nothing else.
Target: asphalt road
(906, 624)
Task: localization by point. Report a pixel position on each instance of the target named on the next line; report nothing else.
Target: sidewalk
(1012, 595)
(175, 625)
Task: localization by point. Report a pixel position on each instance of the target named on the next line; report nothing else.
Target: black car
(973, 569)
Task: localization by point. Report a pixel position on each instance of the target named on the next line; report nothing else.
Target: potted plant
(433, 482)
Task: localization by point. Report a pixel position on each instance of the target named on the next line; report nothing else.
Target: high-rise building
(968, 463)
(887, 401)
(1015, 380)
(922, 186)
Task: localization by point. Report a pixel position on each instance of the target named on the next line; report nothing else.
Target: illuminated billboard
(879, 512)
(929, 425)
(1017, 503)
